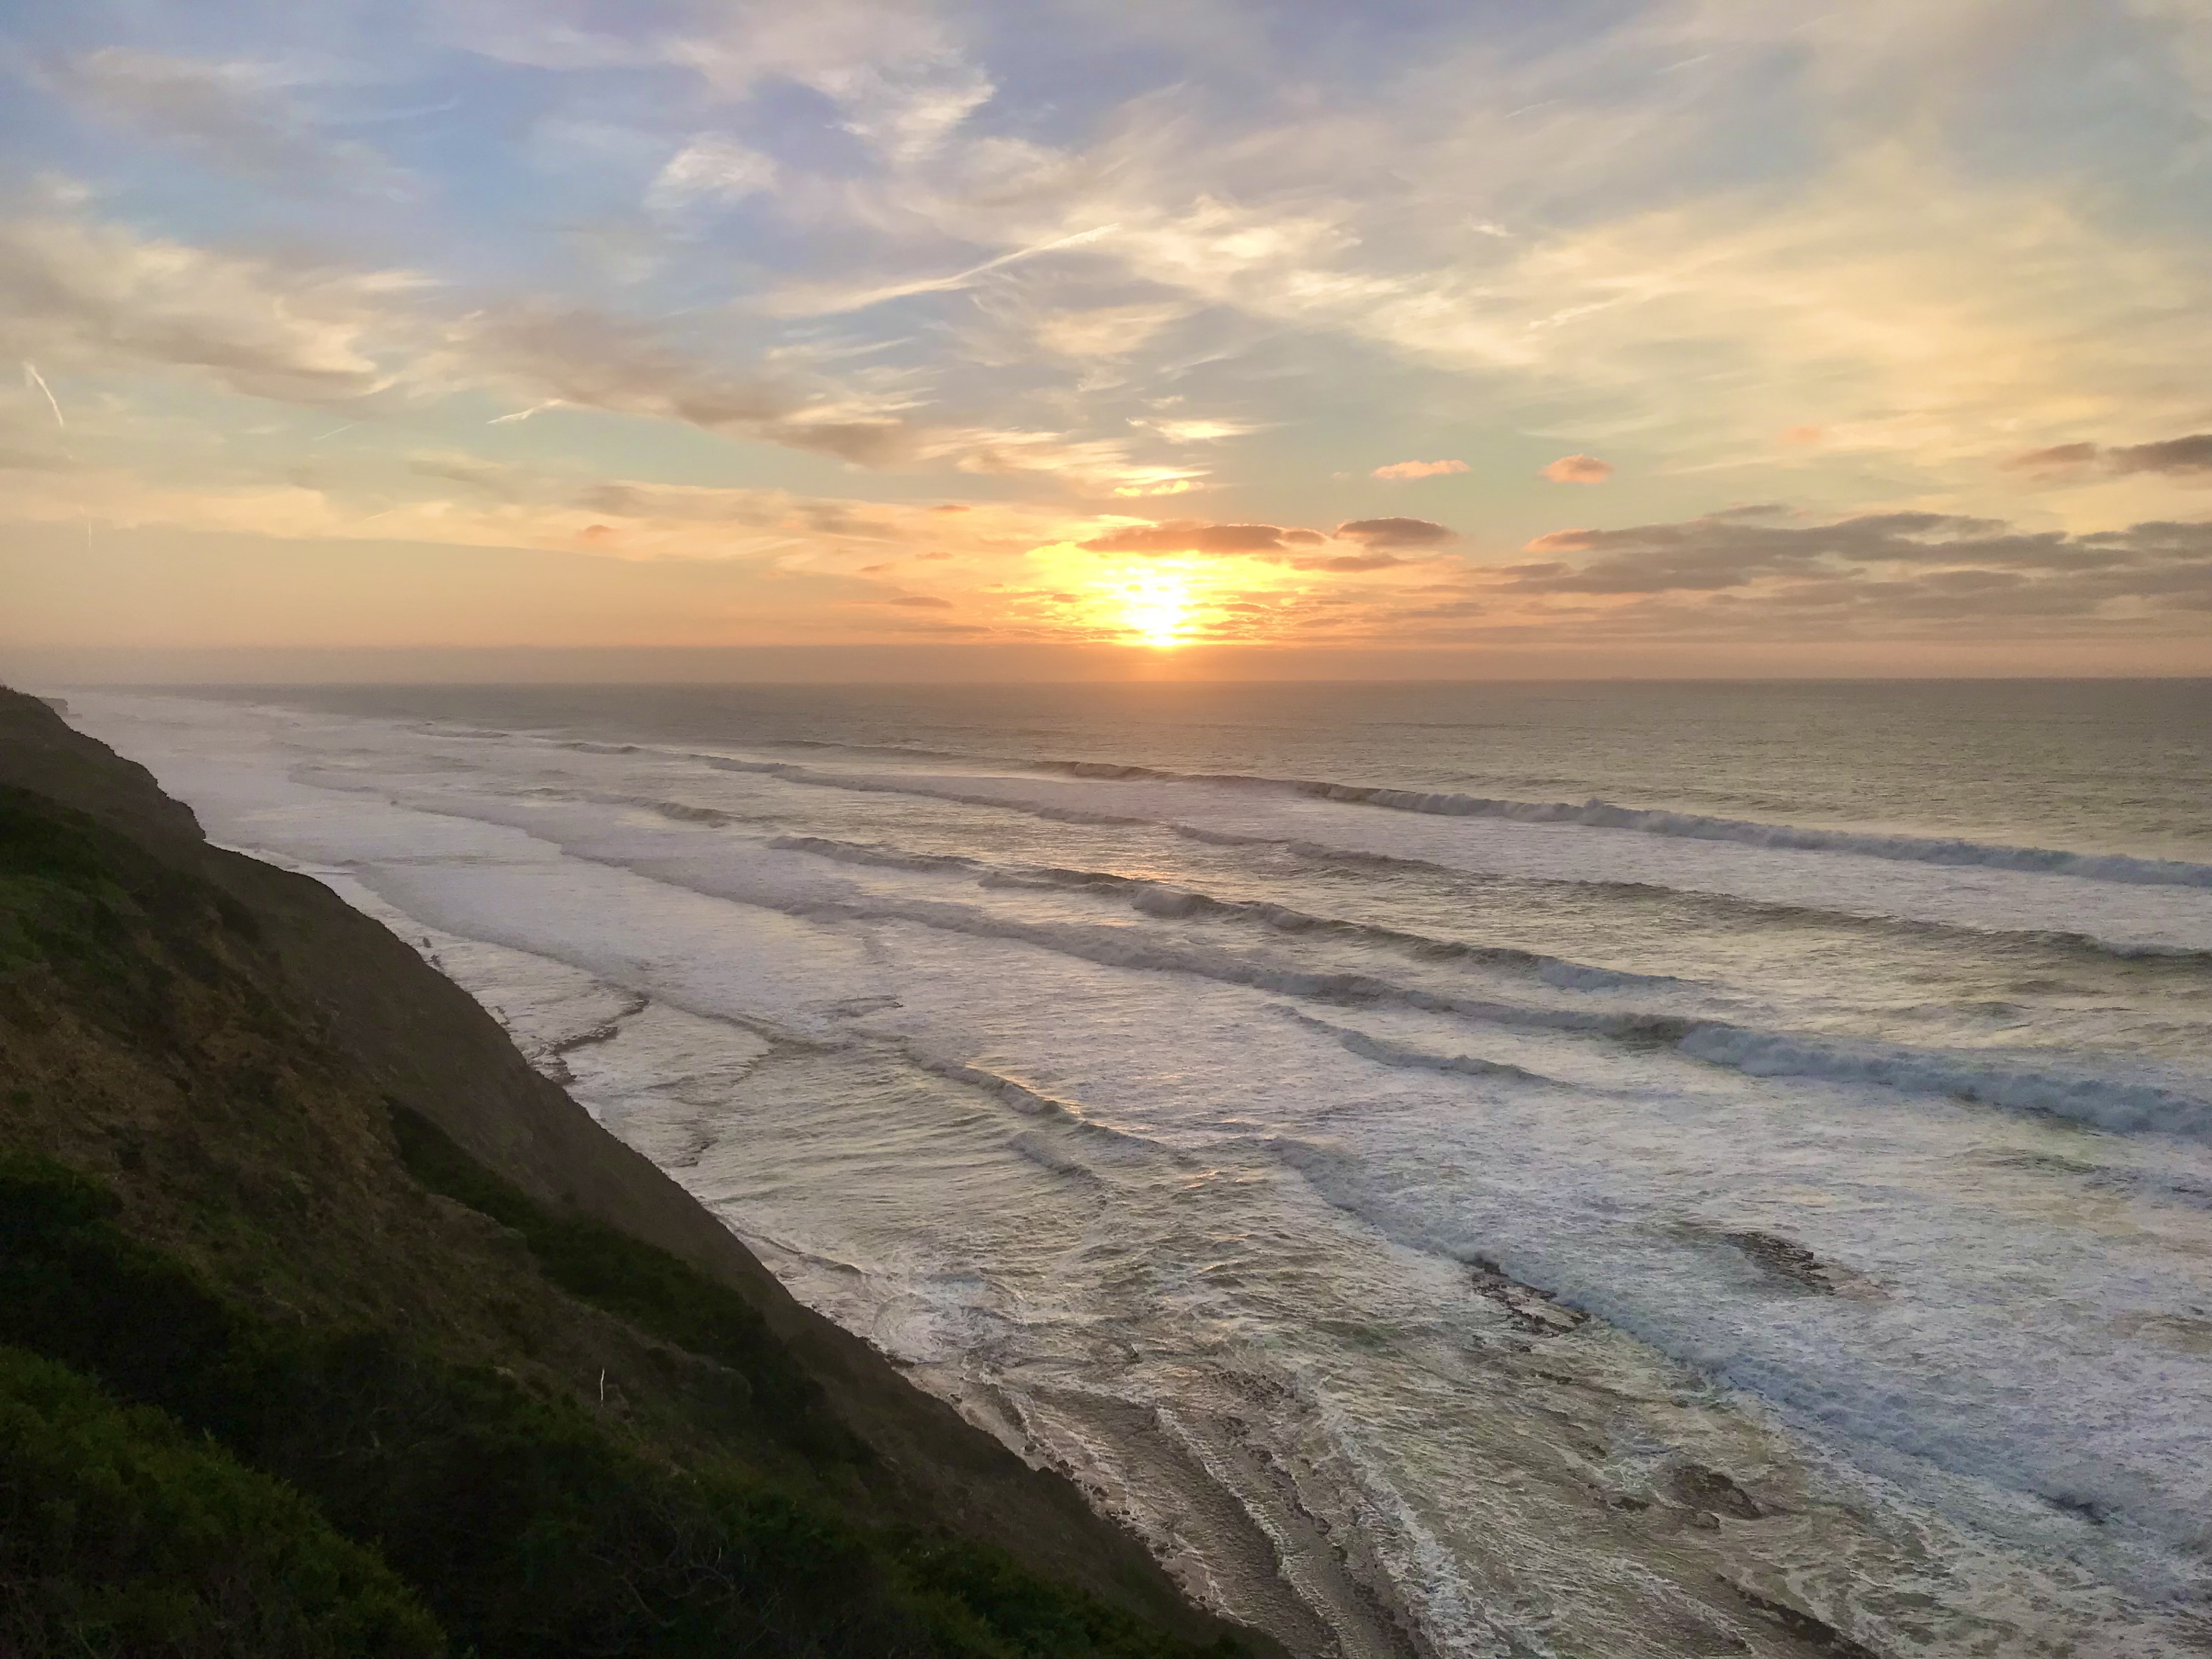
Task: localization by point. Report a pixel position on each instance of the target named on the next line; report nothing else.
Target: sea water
(1579, 1169)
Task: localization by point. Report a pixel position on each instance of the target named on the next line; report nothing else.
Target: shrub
(526, 1528)
(121, 1535)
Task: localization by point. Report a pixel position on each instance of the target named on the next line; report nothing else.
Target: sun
(1155, 608)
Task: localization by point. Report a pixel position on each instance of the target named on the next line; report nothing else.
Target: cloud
(1103, 331)
(30, 459)
(505, 506)
(1919, 298)
(916, 602)
(687, 503)
(841, 297)
(1871, 569)
(1195, 431)
(92, 293)
(2059, 457)
(1190, 536)
(2170, 457)
(709, 171)
(907, 114)
(1601, 256)
(100, 296)
(1394, 532)
(508, 483)
(31, 434)
(1096, 466)
(2175, 457)
(1563, 236)
(1354, 562)
(1888, 577)
(1275, 545)
(587, 359)
(1579, 469)
(237, 115)
(1418, 468)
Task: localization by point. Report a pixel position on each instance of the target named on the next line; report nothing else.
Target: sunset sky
(1108, 336)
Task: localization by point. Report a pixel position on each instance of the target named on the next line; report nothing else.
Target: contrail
(1077, 239)
(832, 305)
(32, 377)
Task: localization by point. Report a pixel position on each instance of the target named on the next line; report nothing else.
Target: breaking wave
(2104, 1102)
(2115, 868)
(1606, 815)
(1168, 902)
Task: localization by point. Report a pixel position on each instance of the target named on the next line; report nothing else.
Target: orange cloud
(1394, 532)
(1579, 469)
(1418, 469)
(2060, 458)
(2171, 457)
(1803, 434)
(1564, 541)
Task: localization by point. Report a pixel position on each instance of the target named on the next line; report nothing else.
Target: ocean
(1575, 1170)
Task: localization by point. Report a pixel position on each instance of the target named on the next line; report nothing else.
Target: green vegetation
(120, 1535)
(524, 1526)
(221, 1431)
(59, 899)
(650, 1288)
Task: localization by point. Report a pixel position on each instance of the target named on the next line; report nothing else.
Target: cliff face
(268, 1179)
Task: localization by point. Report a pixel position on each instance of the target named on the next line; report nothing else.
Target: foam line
(1605, 815)
(1172, 903)
(2114, 869)
(2104, 1102)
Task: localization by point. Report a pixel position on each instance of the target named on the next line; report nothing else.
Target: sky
(513, 339)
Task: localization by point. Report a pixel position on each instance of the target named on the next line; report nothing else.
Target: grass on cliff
(120, 1533)
(523, 1527)
(659, 1293)
(185, 1471)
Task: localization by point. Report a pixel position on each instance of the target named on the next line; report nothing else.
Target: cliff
(329, 1326)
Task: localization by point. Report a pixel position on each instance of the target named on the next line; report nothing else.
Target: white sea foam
(2068, 894)
(2108, 1102)
(2007, 1082)
(1170, 902)
(1606, 815)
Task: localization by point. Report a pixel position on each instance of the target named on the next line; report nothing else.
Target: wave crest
(1600, 814)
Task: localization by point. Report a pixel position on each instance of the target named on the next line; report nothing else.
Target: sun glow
(1158, 604)
(1155, 608)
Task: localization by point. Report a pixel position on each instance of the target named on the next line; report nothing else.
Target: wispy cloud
(1899, 258)
(709, 171)
(98, 294)
(240, 114)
